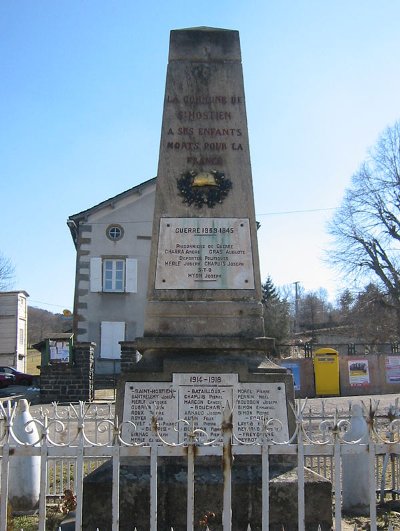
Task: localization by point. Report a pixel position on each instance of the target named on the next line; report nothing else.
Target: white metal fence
(73, 441)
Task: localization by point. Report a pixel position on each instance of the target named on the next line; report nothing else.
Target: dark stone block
(172, 495)
(318, 501)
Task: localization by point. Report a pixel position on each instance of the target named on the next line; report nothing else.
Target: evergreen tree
(276, 312)
(269, 292)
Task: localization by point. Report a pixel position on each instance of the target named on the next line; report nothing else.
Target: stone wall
(129, 356)
(382, 375)
(69, 382)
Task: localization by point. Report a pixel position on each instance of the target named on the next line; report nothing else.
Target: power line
(282, 212)
(278, 213)
(48, 304)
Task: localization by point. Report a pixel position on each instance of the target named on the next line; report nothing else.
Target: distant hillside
(41, 323)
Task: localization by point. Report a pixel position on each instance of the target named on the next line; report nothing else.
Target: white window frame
(98, 274)
(21, 337)
(115, 275)
(115, 232)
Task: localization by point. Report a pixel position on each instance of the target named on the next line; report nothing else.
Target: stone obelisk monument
(204, 271)
(203, 344)
(204, 317)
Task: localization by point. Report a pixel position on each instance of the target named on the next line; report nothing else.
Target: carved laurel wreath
(203, 188)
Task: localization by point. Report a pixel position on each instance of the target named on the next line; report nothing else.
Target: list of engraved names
(204, 253)
(197, 401)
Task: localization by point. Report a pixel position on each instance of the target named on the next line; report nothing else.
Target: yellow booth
(326, 372)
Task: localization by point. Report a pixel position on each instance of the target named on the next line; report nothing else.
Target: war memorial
(203, 347)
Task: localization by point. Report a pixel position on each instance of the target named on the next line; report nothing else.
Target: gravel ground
(343, 402)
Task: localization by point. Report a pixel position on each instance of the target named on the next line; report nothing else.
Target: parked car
(6, 380)
(20, 378)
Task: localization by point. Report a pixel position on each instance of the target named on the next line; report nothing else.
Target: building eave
(74, 220)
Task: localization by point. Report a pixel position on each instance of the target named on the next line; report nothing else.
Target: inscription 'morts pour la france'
(204, 253)
(205, 145)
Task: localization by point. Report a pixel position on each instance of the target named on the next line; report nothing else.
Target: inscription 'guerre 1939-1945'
(204, 253)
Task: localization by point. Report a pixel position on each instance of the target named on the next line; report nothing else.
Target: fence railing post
(301, 482)
(265, 486)
(190, 487)
(5, 466)
(153, 486)
(115, 485)
(227, 467)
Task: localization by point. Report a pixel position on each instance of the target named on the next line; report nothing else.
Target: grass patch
(33, 361)
(31, 522)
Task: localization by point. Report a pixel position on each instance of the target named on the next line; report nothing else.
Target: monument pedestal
(196, 378)
(172, 496)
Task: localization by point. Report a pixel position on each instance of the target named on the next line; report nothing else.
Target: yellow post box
(326, 372)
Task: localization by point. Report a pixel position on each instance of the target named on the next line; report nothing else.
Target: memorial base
(172, 496)
(204, 374)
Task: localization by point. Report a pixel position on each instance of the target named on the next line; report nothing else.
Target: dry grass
(386, 514)
(33, 361)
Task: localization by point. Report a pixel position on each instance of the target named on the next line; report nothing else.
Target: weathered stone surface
(160, 365)
(204, 136)
(209, 343)
(284, 507)
(246, 496)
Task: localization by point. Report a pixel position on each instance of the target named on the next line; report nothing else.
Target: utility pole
(296, 306)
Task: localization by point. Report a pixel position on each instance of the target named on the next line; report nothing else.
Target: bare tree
(314, 310)
(366, 227)
(41, 323)
(372, 318)
(7, 272)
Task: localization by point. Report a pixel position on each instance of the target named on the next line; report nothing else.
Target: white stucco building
(13, 329)
(112, 241)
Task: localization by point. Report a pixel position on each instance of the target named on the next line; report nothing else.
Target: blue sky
(81, 94)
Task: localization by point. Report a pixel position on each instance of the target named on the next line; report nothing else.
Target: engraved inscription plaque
(204, 253)
(197, 401)
(143, 401)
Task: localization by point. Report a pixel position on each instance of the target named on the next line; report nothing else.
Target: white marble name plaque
(204, 253)
(261, 406)
(143, 401)
(202, 398)
(197, 401)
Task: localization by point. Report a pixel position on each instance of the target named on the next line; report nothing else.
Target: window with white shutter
(111, 333)
(131, 275)
(95, 274)
(113, 275)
